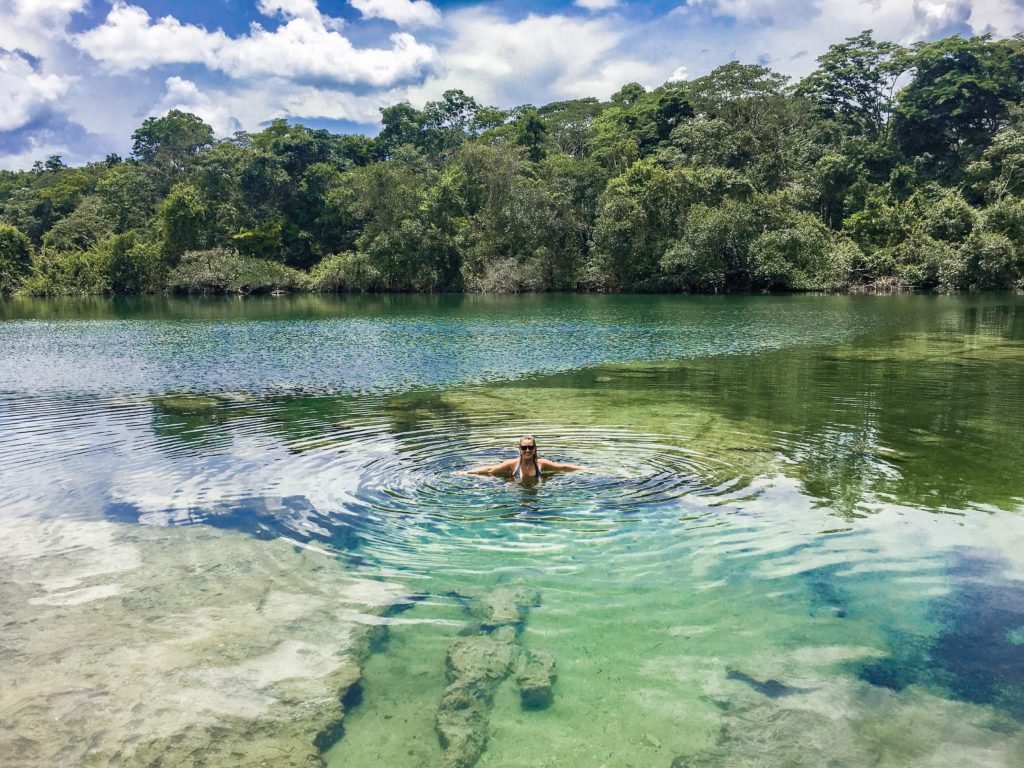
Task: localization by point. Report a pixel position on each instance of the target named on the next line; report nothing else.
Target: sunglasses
(527, 447)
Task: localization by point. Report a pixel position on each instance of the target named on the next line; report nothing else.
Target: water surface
(798, 540)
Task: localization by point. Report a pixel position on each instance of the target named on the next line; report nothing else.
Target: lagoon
(231, 532)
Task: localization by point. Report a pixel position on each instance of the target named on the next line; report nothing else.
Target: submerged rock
(461, 721)
(482, 657)
(535, 679)
(180, 646)
(507, 605)
(476, 664)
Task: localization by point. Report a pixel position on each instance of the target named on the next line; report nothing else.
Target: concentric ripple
(404, 497)
(341, 472)
(623, 471)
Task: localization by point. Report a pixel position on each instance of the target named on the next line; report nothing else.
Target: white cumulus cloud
(306, 47)
(24, 91)
(413, 13)
(536, 58)
(249, 106)
(188, 97)
(938, 18)
(129, 39)
(762, 11)
(52, 10)
(596, 5)
(35, 26)
(290, 9)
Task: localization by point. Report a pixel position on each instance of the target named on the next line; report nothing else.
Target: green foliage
(989, 260)
(82, 229)
(129, 196)
(135, 265)
(219, 270)
(762, 242)
(1006, 217)
(881, 223)
(401, 126)
(260, 242)
(346, 273)
(916, 262)
(855, 83)
(44, 198)
(1000, 172)
(636, 122)
(948, 217)
(70, 273)
(713, 252)
(804, 256)
(569, 125)
(747, 121)
(959, 98)
(530, 133)
(641, 213)
(886, 168)
(171, 143)
(183, 222)
(15, 258)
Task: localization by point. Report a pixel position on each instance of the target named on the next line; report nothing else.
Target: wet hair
(531, 438)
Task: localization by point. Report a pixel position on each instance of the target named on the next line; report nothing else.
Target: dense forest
(887, 168)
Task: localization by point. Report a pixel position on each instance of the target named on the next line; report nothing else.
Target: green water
(798, 539)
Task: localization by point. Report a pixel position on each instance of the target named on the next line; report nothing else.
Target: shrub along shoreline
(887, 168)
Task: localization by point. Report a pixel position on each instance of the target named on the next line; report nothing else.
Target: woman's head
(527, 446)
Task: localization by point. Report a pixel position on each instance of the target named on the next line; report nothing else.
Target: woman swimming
(528, 463)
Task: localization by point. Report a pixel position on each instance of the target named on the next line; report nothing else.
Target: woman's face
(527, 449)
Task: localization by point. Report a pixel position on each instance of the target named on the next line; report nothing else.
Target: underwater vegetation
(977, 653)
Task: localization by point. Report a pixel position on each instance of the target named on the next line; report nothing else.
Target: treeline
(886, 168)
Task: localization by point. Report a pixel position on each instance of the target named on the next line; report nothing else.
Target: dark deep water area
(232, 531)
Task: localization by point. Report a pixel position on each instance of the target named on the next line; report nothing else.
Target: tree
(959, 98)
(15, 258)
(182, 222)
(855, 82)
(135, 265)
(34, 208)
(628, 95)
(737, 93)
(455, 110)
(295, 146)
(642, 212)
(569, 124)
(447, 123)
(530, 133)
(171, 143)
(129, 196)
(636, 122)
(82, 229)
(1000, 171)
(401, 124)
(746, 120)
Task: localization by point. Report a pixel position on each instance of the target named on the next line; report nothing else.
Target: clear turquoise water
(798, 541)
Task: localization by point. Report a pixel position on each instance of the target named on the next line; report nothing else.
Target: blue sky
(78, 76)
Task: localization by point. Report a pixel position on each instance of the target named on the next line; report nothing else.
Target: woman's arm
(557, 466)
(495, 469)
